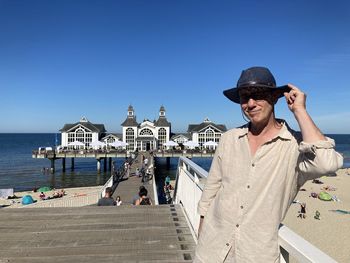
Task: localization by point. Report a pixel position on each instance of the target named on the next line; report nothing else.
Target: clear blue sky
(60, 60)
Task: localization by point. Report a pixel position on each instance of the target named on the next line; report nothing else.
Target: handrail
(188, 188)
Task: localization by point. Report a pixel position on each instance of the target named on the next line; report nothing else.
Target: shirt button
(241, 206)
(253, 164)
(227, 244)
(248, 186)
(237, 225)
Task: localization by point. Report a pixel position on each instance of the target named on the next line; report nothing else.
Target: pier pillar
(105, 164)
(63, 164)
(167, 163)
(52, 165)
(72, 164)
(98, 165)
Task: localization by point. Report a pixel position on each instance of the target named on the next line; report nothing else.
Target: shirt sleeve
(213, 182)
(317, 159)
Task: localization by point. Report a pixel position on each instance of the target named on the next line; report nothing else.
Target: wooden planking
(90, 234)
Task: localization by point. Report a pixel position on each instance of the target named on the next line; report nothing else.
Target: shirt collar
(284, 133)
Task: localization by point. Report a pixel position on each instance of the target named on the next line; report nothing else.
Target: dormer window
(83, 119)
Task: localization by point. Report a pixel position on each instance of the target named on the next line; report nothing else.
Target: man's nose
(251, 102)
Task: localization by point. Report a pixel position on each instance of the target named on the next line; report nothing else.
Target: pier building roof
(162, 121)
(130, 122)
(180, 135)
(204, 125)
(100, 128)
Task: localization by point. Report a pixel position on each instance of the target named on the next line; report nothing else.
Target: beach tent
(44, 189)
(324, 196)
(27, 199)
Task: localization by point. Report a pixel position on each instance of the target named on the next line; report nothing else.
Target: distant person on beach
(107, 200)
(257, 171)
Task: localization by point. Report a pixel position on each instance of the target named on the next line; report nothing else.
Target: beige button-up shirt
(246, 197)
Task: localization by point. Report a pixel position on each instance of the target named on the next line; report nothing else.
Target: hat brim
(233, 95)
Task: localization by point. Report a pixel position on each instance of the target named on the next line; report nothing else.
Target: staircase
(95, 234)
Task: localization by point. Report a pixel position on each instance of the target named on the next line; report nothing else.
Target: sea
(20, 171)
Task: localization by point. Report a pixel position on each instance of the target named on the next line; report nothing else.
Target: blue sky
(61, 60)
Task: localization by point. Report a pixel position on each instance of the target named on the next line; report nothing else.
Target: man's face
(257, 104)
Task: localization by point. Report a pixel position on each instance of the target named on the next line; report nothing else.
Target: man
(107, 200)
(256, 172)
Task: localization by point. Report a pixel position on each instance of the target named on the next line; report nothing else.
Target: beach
(331, 233)
(76, 192)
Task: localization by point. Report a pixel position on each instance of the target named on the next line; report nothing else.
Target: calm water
(18, 170)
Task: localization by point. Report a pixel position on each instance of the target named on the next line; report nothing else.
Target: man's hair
(109, 190)
(141, 187)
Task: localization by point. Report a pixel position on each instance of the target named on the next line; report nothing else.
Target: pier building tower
(206, 131)
(83, 131)
(146, 135)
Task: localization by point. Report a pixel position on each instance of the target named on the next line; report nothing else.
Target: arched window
(79, 135)
(146, 131)
(130, 139)
(209, 135)
(161, 137)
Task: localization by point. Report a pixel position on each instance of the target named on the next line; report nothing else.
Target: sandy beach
(331, 233)
(69, 193)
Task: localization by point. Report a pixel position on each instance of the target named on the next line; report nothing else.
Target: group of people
(56, 194)
(141, 198)
(108, 200)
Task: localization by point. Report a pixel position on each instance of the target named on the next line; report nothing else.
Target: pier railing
(190, 179)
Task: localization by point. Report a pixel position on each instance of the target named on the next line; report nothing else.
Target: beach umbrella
(210, 143)
(97, 144)
(191, 144)
(171, 143)
(76, 143)
(44, 189)
(117, 144)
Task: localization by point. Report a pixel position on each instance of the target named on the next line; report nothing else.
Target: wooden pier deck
(95, 234)
(128, 188)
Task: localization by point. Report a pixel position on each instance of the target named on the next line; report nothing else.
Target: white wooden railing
(190, 179)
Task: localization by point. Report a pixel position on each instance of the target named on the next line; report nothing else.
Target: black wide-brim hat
(255, 77)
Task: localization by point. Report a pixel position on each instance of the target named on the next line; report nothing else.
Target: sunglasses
(244, 96)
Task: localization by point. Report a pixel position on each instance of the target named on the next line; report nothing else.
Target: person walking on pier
(107, 200)
(256, 172)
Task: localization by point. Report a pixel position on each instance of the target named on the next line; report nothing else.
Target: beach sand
(331, 233)
(70, 192)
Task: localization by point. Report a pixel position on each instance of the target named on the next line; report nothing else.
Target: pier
(105, 157)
